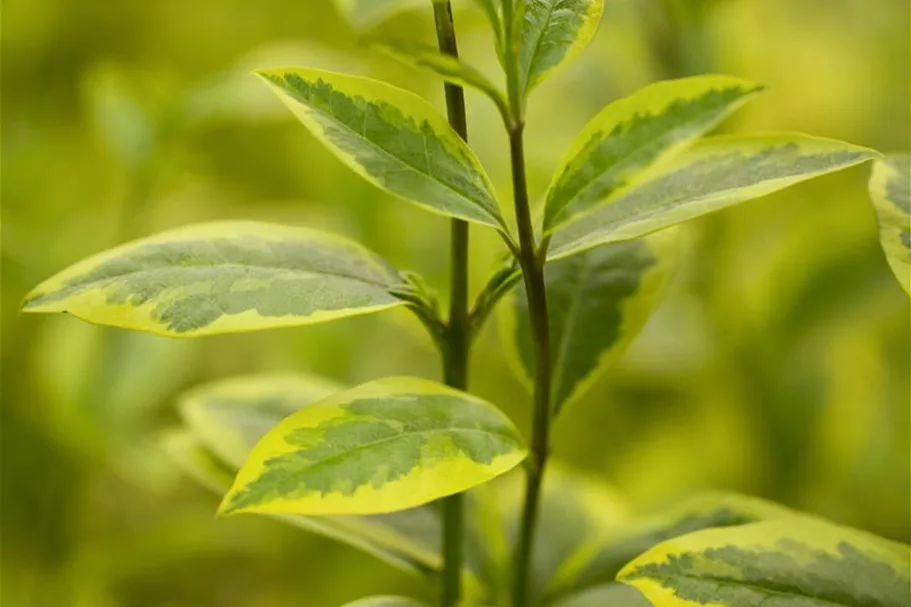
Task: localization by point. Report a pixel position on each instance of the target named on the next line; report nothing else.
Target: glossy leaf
(599, 559)
(221, 277)
(715, 173)
(635, 133)
(796, 562)
(890, 188)
(392, 138)
(550, 32)
(384, 446)
(231, 415)
(597, 302)
(452, 69)
(365, 14)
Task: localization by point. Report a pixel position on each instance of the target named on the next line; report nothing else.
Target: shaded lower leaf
(600, 559)
(221, 277)
(793, 562)
(386, 601)
(609, 595)
(365, 14)
(715, 173)
(890, 188)
(384, 446)
(598, 302)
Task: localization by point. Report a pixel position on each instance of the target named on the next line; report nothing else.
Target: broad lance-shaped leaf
(221, 277)
(226, 418)
(452, 69)
(598, 560)
(384, 446)
(796, 562)
(890, 188)
(550, 32)
(365, 14)
(715, 173)
(598, 302)
(392, 138)
(635, 133)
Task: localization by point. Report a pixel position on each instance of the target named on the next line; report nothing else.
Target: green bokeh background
(778, 365)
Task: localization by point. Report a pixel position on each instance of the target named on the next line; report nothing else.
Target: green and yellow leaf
(597, 303)
(598, 560)
(387, 445)
(365, 14)
(795, 562)
(231, 415)
(635, 133)
(392, 138)
(194, 460)
(221, 277)
(715, 173)
(550, 32)
(451, 69)
(386, 601)
(890, 188)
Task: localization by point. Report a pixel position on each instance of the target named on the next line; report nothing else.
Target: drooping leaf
(386, 601)
(452, 69)
(221, 277)
(225, 420)
(574, 508)
(714, 174)
(599, 559)
(551, 32)
(635, 133)
(387, 445)
(796, 562)
(365, 14)
(231, 415)
(392, 138)
(890, 188)
(597, 303)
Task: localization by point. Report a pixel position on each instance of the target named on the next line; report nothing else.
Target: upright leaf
(597, 303)
(890, 188)
(549, 32)
(635, 133)
(365, 14)
(392, 138)
(384, 446)
(715, 173)
(600, 559)
(221, 277)
(796, 562)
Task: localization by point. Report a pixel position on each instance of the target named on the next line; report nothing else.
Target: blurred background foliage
(778, 365)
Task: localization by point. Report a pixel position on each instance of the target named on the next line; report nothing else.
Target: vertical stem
(533, 274)
(455, 356)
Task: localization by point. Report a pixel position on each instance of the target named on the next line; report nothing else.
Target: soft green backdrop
(778, 365)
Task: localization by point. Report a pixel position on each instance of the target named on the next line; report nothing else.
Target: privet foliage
(363, 464)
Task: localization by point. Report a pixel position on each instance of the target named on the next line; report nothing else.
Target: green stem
(455, 354)
(532, 262)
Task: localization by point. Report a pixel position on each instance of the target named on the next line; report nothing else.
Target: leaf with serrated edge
(221, 277)
(635, 133)
(715, 173)
(387, 445)
(598, 302)
(551, 32)
(793, 562)
(600, 559)
(890, 189)
(452, 69)
(392, 138)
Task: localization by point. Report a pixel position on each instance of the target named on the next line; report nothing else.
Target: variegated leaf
(221, 277)
(387, 445)
(550, 32)
(635, 133)
(597, 303)
(598, 560)
(795, 562)
(890, 188)
(715, 173)
(392, 138)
